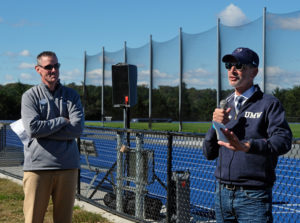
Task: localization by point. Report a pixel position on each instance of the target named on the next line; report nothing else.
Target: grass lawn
(187, 127)
(11, 206)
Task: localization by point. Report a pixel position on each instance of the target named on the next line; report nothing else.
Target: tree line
(197, 104)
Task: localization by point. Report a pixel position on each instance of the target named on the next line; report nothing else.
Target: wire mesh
(192, 183)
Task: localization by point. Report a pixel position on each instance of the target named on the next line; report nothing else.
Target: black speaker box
(124, 85)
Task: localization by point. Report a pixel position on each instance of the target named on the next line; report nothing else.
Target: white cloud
(200, 83)
(199, 78)
(274, 71)
(1, 20)
(143, 77)
(26, 76)
(281, 78)
(93, 77)
(145, 83)
(109, 60)
(9, 54)
(21, 23)
(9, 77)
(232, 16)
(158, 74)
(24, 53)
(26, 65)
(94, 74)
(166, 82)
(199, 72)
(74, 72)
(289, 23)
(270, 87)
(71, 75)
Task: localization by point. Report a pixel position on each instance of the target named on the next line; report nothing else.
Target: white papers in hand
(218, 126)
(19, 129)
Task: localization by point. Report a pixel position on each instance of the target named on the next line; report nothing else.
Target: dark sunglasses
(238, 66)
(50, 66)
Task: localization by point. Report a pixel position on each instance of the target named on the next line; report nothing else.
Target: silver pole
(125, 116)
(218, 63)
(264, 52)
(84, 81)
(119, 187)
(139, 181)
(180, 80)
(102, 90)
(125, 52)
(150, 84)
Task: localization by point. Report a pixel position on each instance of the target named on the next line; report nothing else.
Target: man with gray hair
(53, 118)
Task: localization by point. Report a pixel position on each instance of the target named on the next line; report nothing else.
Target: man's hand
(233, 142)
(221, 115)
(68, 120)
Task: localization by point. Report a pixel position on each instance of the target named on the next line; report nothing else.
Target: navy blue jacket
(261, 121)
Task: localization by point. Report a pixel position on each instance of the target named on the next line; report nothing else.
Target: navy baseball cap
(242, 55)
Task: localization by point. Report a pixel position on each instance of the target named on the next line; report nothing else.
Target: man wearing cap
(257, 133)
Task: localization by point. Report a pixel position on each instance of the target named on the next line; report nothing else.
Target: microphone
(223, 104)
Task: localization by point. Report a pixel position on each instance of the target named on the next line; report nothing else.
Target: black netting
(165, 79)
(141, 58)
(282, 56)
(232, 37)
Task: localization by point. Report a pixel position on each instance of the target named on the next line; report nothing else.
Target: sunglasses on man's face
(50, 66)
(238, 66)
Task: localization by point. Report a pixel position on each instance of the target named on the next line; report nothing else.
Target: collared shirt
(247, 94)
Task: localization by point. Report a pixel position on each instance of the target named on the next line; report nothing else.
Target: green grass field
(174, 127)
(11, 207)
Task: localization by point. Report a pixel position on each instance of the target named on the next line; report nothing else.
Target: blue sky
(71, 27)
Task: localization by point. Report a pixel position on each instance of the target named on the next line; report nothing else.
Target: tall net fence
(180, 77)
(149, 176)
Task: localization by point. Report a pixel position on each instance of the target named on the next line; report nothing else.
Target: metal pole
(139, 182)
(84, 81)
(126, 113)
(125, 52)
(83, 104)
(264, 52)
(102, 90)
(169, 179)
(150, 84)
(126, 110)
(78, 177)
(218, 63)
(119, 187)
(180, 80)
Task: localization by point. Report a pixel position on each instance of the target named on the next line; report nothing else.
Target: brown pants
(40, 185)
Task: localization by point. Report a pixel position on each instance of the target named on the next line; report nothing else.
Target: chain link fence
(152, 176)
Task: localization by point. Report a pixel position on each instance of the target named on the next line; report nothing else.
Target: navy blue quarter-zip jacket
(261, 121)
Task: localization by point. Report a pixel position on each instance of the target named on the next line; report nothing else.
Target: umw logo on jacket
(252, 114)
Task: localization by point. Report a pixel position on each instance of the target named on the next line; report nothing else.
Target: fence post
(180, 80)
(84, 82)
(102, 88)
(78, 178)
(119, 190)
(140, 187)
(150, 84)
(1, 137)
(169, 178)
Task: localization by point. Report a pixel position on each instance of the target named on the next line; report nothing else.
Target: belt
(239, 187)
